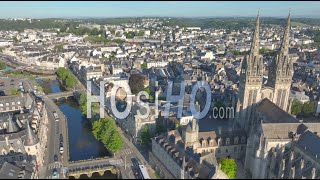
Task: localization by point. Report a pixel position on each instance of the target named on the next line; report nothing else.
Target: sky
(107, 9)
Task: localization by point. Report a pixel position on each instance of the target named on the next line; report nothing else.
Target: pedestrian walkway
(54, 166)
(126, 152)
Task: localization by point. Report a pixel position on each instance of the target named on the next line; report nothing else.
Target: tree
(144, 66)
(105, 131)
(308, 108)
(14, 92)
(15, 40)
(129, 35)
(66, 76)
(118, 41)
(140, 33)
(83, 103)
(160, 128)
(94, 32)
(296, 107)
(147, 89)
(2, 65)
(267, 52)
(59, 46)
(145, 136)
(229, 166)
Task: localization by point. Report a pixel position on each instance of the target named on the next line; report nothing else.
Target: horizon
(161, 9)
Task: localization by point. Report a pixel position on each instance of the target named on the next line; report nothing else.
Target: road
(19, 65)
(50, 147)
(132, 158)
(57, 127)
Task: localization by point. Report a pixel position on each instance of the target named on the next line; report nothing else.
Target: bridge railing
(88, 168)
(90, 160)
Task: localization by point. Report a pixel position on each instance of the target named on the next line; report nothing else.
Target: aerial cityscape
(159, 90)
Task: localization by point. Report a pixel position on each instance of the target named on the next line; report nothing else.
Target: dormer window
(243, 140)
(204, 143)
(228, 141)
(236, 140)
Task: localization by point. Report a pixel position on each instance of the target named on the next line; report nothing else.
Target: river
(82, 144)
(50, 86)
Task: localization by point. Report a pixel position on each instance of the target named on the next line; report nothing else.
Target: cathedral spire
(254, 51)
(285, 41)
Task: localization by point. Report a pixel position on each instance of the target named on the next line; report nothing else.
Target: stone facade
(23, 131)
(252, 90)
(199, 151)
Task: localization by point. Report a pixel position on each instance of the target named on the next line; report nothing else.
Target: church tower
(250, 83)
(281, 72)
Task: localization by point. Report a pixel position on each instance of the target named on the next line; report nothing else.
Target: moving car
(55, 158)
(55, 174)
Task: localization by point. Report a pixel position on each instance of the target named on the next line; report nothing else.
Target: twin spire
(285, 41)
(254, 58)
(255, 41)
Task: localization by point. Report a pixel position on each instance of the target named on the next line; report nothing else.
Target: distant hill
(232, 23)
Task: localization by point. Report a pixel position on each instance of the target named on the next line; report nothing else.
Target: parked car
(61, 138)
(61, 149)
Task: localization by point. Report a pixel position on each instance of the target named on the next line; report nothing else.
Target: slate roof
(17, 170)
(309, 142)
(274, 114)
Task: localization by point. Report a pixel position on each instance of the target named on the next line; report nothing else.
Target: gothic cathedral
(251, 87)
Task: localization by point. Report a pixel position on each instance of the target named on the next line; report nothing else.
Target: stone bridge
(89, 167)
(60, 95)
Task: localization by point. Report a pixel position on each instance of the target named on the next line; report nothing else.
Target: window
(6, 159)
(228, 141)
(219, 151)
(13, 103)
(236, 140)
(21, 158)
(243, 140)
(7, 104)
(235, 149)
(227, 151)
(241, 148)
(13, 158)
